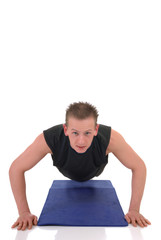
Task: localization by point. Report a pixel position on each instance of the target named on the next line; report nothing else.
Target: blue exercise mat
(90, 203)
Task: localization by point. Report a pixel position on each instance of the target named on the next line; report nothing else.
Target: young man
(79, 149)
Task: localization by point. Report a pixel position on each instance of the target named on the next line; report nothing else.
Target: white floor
(92, 233)
(70, 233)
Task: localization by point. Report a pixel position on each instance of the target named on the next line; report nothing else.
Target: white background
(53, 53)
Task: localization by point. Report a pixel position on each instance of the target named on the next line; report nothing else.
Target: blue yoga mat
(90, 203)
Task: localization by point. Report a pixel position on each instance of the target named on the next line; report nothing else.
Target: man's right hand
(27, 160)
(25, 220)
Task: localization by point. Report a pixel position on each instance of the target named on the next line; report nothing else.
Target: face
(81, 133)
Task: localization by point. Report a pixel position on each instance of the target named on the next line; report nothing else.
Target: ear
(96, 130)
(65, 129)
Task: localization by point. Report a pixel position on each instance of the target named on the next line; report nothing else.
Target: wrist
(134, 210)
(134, 206)
(23, 212)
(24, 208)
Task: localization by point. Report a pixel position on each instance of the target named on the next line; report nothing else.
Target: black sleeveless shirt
(78, 166)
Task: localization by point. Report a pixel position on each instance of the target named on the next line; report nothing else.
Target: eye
(87, 133)
(75, 133)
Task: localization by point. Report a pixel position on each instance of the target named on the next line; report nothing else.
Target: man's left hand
(135, 218)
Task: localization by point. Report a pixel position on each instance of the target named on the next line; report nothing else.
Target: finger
(144, 222)
(20, 226)
(24, 225)
(30, 224)
(133, 222)
(15, 224)
(147, 221)
(35, 220)
(140, 222)
(127, 218)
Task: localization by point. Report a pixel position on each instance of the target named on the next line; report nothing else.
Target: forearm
(138, 184)
(18, 186)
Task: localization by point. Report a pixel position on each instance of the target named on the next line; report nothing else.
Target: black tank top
(78, 166)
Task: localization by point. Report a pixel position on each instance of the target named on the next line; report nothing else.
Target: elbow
(141, 167)
(144, 168)
(14, 170)
(11, 169)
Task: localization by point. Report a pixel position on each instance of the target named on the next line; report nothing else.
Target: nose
(81, 140)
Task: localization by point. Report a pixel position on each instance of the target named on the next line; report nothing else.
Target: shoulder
(116, 142)
(53, 135)
(123, 151)
(40, 144)
(54, 129)
(103, 135)
(53, 132)
(104, 131)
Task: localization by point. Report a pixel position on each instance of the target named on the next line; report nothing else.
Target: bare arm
(28, 159)
(129, 158)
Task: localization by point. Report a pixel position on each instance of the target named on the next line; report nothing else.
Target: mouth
(81, 147)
